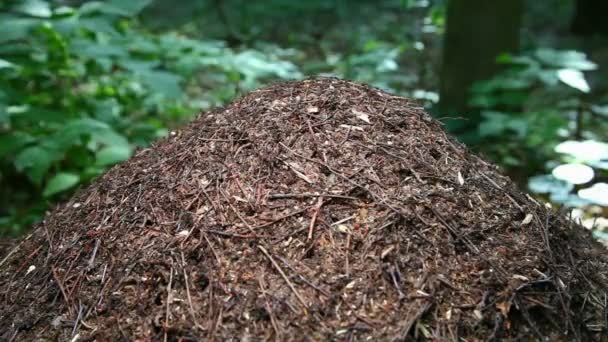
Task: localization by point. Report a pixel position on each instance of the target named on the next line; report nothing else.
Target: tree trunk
(477, 32)
(590, 18)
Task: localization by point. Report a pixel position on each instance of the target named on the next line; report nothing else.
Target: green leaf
(98, 24)
(601, 235)
(549, 184)
(13, 141)
(97, 50)
(597, 193)
(568, 59)
(94, 131)
(573, 173)
(113, 154)
(60, 182)
(493, 123)
(35, 161)
(13, 28)
(587, 151)
(124, 8)
(35, 8)
(574, 78)
(165, 83)
(4, 64)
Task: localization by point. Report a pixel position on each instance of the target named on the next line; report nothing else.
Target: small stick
(274, 263)
(302, 278)
(342, 220)
(346, 265)
(15, 249)
(168, 303)
(76, 323)
(238, 214)
(92, 260)
(65, 296)
(503, 190)
(280, 218)
(224, 234)
(272, 318)
(313, 220)
(304, 195)
(188, 293)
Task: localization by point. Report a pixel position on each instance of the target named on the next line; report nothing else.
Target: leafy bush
(538, 115)
(81, 87)
(537, 102)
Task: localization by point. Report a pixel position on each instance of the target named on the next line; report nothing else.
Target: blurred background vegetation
(84, 83)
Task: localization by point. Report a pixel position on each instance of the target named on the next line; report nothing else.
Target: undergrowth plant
(82, 87)
(538, 116)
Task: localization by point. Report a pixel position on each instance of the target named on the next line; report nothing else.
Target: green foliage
(82, 87)
(576, 176)
(536, 114)
(380, 43)
(526, 109)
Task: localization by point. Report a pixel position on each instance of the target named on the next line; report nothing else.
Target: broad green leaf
(128, 8)
(493, 123)
(600, 110)
(565, 59)
(95, 50)
(99, 24)
(35, 161)
(573, 173)
(39, 116)
(60, 182)
(35, 8)
(99, 133)
(11, 142)
(124, 8)
(601, 235)
(5, 118)
(165, 83)
(112, 154)
(574, 79)
(4, 64)
(584, 151)
(13, 28)
(597, 193)
(548, 184)
(138, 66)
(568, 200)
(64, 11)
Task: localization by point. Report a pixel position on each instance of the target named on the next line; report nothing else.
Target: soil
(312, 210)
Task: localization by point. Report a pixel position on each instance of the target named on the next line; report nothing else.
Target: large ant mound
(312, 210)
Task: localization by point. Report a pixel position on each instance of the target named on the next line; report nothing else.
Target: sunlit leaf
(112, 155)
(548, 184)
(125, 8)
(600, 110)
(601, 235)
(573, 173)
(597, 193)
(584, 151)
(565, 59)
(574, 79)
(569, 200)
(4, 64)
(35, 8)
(60, 182)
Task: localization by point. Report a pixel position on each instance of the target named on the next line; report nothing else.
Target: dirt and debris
(312, 210)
